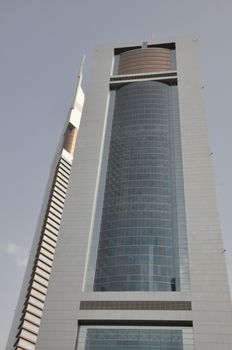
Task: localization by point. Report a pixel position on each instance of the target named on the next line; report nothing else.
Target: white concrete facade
(211, 305)
(211, 314)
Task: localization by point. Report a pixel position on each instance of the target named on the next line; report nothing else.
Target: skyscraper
(29, 311)
(139, 260)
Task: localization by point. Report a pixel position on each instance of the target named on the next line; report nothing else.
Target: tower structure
(29, 311)
(139, 260)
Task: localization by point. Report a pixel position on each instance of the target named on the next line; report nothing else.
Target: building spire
(79, 80)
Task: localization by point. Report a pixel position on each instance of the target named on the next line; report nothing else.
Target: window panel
(138, 245)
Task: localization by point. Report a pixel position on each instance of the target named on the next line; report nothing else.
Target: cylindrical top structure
(138, 237)
(70, 139)
(145, 60)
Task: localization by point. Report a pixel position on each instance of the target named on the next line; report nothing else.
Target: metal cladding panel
(144, 60)
(212, 316)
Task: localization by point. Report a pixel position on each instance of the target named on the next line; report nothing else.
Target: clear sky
(41, 44)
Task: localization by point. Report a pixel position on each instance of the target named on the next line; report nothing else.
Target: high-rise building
(134, 258)
(26, 324)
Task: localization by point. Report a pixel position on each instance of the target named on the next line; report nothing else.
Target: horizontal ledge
(115, 85)
(136, 305)
(143, 76)
(132, 75)
(107, 322)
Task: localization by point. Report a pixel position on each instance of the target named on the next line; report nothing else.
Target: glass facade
(136, 339)
(138, 244)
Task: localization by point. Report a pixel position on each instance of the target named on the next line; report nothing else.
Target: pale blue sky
(41, 44)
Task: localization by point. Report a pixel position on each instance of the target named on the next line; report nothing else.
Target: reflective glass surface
(136, 339)
(138, 245)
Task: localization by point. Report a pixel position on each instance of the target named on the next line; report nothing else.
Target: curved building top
(145, 60)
